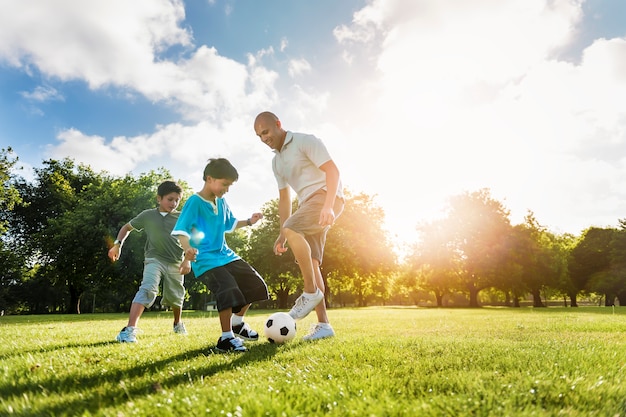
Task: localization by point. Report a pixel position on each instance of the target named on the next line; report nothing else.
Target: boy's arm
(249, 221)
(116, 249)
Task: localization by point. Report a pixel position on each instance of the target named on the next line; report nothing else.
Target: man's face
(270, 132)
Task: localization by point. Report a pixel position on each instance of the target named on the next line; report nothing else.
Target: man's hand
(279, 246)
(327, 217)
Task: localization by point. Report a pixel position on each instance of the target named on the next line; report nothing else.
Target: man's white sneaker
(319, 331)
(127, 335)
(179, 328)
(305, 304)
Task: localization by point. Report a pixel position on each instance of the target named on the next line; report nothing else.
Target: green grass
(383, 362)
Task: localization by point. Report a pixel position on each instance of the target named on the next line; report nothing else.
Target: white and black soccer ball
(280, 328)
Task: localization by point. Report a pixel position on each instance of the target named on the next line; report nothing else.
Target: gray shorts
(173, 284)
(305, 220)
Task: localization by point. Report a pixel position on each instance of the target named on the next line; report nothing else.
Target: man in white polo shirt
(302, 163)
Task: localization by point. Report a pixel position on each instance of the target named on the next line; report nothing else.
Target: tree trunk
(473, 297)
(537, 298)
(439, 297)
(74, 305)
(573, 300)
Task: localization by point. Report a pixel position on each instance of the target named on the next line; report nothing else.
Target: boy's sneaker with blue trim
(232, 344)
(305, 304)
(179, 328)
(244, 331)
(127, 335)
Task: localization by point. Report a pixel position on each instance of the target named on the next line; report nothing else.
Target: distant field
(383, 362)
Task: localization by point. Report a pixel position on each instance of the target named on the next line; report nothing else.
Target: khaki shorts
(173, 284)
(305, 220)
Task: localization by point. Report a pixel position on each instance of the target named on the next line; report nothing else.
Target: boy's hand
(114, 253)
(256, 217)
(185, 267)
(190, 254)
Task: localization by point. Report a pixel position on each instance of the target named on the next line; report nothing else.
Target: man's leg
(302, 253)
(320, 309)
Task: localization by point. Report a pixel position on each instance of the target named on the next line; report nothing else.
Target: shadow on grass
(121, 387)
(51, 348)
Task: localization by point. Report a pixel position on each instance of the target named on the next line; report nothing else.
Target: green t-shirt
(160, 244)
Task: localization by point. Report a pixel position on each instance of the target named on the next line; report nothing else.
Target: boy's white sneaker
(305, 304)
(127, 335)
(179, 328)
(319, 331)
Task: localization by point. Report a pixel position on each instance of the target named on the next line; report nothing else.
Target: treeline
(57, 228)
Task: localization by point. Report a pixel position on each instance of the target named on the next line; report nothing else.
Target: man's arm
(284, 212)
(327, 215)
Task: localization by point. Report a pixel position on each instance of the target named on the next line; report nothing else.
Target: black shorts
(235, 285)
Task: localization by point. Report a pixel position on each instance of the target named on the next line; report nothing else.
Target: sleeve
(139, 221)
(230, 221)
(186, 219)
(315, 150)
(280, 180)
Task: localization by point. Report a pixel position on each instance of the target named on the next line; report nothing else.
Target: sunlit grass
(383, 362)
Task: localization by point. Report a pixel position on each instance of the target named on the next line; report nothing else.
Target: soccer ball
(280, 328)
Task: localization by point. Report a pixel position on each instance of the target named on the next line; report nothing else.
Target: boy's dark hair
(220, 169)
(167, 187)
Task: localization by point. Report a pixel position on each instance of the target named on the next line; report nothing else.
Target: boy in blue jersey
(201, 230)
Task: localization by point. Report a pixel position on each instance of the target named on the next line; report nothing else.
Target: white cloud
(43, 94)
(298, 67)
(112, 42)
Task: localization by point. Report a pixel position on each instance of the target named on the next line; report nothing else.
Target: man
(302, 163)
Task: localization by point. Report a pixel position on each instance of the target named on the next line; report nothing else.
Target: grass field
(383, 362)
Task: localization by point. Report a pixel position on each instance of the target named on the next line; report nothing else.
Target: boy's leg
(174, 292)
(225, 319)
(227, 341)
(242, 312)
(178, 312)
(136, 310)
(241, 328)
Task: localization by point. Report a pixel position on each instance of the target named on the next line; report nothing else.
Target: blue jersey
(205, 224)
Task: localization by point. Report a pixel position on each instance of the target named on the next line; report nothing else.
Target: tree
(433, 260)
(9, 194)
(478, 228)
(540, 255)
(11, 258)
(358, 251)
(617, 258)
(590, 263)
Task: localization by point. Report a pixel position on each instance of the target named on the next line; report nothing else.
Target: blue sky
(417, 101)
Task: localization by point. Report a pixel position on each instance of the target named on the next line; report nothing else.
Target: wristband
(249, 222)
